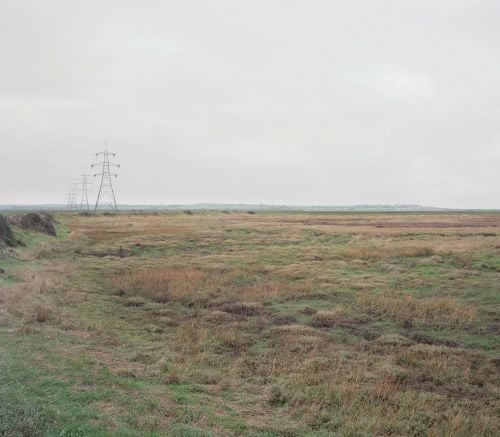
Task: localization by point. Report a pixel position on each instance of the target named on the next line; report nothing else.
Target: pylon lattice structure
(71, 202)
(84, 191)
(106, 195)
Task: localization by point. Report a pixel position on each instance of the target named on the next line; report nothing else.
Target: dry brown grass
(166, 284)
(434, 311)
(197, 348)
(438, 361)
(30, 300)
(134, 232)
(341, 316)
(188, 284)
(386, 252)
(274, 289)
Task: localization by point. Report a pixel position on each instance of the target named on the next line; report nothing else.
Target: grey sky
(273, 101)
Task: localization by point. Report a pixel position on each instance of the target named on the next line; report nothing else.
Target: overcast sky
(273, 101)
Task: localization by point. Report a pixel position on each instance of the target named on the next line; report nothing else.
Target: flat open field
(253, 324)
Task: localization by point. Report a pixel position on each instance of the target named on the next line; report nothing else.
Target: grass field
(265, 324)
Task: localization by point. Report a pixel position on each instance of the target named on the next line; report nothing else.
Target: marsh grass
(434, 311)
(386, 252)
(189, 285)
(262, 324)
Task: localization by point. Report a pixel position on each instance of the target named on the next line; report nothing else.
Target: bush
(6, 234)
(44, 223)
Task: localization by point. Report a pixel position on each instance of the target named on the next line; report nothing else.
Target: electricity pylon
(106, 195)
(84, 188)
(71, 200)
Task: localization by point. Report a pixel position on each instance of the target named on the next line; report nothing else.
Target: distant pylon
(106, 195)
(71, 200)
(84, 188)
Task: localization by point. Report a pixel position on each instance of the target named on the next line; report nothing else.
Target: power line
(39, 132)
(106, 195)
(22, 176)
(35, 149)
(26, 168)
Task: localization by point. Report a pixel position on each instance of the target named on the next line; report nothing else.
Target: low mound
(6, 234)
(39, 222)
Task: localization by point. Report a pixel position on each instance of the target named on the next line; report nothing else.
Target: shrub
(6, 234)
(44, 223)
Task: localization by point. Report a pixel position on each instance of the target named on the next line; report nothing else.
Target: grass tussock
(387, 252)
(341, 316)
(437, 360)
(192, 285)
(166, 284)
(31, 302)
(433, 311)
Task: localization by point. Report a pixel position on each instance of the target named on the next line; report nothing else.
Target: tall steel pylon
(84, 189)
(71, 200)
(106, 195)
